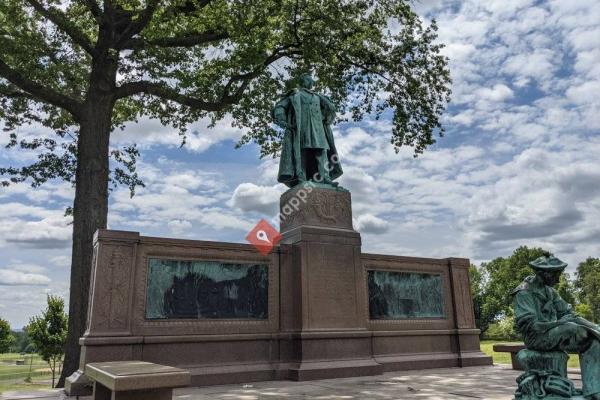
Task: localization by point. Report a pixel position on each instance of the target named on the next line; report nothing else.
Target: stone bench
(135, 380)
(513, 349)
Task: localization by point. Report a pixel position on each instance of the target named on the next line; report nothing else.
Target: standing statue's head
(306, 81)
(548, 268)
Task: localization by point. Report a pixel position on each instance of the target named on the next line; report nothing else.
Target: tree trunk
(90, 211)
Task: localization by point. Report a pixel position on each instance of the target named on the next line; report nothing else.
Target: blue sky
(520, 164)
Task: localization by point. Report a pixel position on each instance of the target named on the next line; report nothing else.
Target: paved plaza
(494, 383)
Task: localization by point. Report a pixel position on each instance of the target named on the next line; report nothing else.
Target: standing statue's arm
(328, 109)
(280, 112)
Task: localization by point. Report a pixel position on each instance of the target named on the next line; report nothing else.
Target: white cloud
(540, 64)
(62, 261)
(464, 118)
(18, 278)
(459, 51)
(179, 226)
(50, 232)
(499, 92)
(26, 267)
(584, 93)
(369, 223)
(199, 138)
(263, 199)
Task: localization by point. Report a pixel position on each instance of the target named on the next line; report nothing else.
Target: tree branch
(39, 91)
(227, 98)
(94, 9)
(58, 19)
(13, 93)
(189, 40)
(139, 24)
(165, 92)
(191, 6)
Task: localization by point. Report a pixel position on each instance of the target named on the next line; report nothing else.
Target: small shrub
(503, 330)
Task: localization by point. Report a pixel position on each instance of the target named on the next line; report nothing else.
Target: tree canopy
(83, 68)
(183, 60)
(588, 284)
(497, 279)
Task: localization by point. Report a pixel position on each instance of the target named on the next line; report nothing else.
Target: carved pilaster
(112, 283)
(463, 302)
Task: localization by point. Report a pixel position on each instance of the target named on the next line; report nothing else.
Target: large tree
(85, 67)
(588, 284)
(496, 281)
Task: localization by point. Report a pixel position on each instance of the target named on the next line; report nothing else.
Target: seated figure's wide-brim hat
(548, 263)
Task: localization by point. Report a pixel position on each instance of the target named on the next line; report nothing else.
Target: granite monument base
(322, 291)
(316, 307)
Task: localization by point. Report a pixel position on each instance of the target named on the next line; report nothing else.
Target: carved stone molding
(315, 206)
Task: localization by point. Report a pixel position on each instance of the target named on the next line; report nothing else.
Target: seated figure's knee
(581, 334)
(574, 333)
(568, 329)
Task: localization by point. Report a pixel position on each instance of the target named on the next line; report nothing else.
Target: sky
(519, 165)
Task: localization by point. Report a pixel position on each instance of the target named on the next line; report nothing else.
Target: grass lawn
(504, 358)
(12, 376)
(14, 386)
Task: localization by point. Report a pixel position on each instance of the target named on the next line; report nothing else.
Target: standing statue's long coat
(291, 150)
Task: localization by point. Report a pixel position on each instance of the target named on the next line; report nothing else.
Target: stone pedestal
(315, 320)
(79, 384)
(322, 287)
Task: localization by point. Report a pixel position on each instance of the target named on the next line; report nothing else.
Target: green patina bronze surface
(551, 330)
(179, 289)
(402, 295)
(308, 152)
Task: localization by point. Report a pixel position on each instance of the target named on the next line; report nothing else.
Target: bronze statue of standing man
(308, 152)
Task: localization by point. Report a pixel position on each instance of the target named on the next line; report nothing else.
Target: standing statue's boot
(300, 167)
(323, 168)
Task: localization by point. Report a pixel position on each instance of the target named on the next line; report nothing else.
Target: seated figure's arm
(525, 311)
(588, 324)
(565, 313)
(527, 317)
(563, 309)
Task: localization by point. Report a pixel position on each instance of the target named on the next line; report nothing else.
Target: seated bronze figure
(551, 330)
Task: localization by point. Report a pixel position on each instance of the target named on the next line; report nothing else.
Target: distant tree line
(46, 335)
(7, 337)
(492, 283)
(14, 341)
